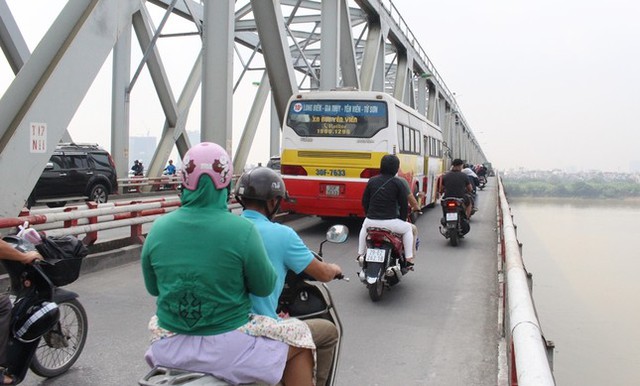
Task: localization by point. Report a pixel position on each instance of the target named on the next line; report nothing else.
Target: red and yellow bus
(332, 143)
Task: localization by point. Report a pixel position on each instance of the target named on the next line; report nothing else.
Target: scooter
(482, 182)
(454, 220)
(58, 340)
(302, 297)
(383, 265)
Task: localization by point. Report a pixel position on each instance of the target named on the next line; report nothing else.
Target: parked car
(74, 172)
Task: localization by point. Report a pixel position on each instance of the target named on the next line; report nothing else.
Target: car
(74, 172)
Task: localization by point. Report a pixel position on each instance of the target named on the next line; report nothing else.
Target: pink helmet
(206, 158)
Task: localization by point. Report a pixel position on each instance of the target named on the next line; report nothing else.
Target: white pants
(394, 225)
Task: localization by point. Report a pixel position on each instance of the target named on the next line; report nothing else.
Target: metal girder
(119, 103)
(217, 78)
(11, 40)
(43, 98)
(144, 33)
(330, 45)
(251, 126)
(270, 25)
(176, 134)
(348, 63)
(372, 52)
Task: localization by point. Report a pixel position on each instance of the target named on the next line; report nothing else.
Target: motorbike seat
(380, 235)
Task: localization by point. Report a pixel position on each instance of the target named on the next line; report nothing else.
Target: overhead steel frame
(298, 44)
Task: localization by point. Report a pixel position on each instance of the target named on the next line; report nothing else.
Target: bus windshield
(337, 118)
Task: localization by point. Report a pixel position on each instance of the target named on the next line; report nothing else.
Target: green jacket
(202, 262)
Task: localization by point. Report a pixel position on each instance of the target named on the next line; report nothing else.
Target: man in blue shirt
(260, 192)
(170, 169)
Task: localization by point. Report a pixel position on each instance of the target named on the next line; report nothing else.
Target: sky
(543, 84)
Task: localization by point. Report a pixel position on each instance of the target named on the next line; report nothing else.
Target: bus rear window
(337, 118)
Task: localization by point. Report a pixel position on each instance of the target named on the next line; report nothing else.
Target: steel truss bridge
(297, 45)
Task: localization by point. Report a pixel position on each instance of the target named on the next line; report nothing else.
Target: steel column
(251, 126)
(11, 40)
(330, 44)
(120, 103)
(217, 76)
(277, 57)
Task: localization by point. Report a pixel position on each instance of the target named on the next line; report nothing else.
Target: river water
(585, 259)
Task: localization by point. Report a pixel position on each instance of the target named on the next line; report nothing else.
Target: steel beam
(217, 74)
(120, 103)
(277, 56)
(330, 45)
(11, 40)
(348, 63)
(175, 134)
(251, 126)
(144, 33)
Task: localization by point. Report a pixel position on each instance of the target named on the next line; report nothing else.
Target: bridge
(293, 46)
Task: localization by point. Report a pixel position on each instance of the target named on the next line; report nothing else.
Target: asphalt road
(439, 326)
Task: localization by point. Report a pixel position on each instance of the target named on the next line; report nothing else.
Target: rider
(7, 252)
(137, 168)
(202, 262)
(170, 169)
(385, 205)
(260, 191)
(456, 184)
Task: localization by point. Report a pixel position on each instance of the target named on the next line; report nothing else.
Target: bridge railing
(529, 354)
(89, 218)
(137, 184)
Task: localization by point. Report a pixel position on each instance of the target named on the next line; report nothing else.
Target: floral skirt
(272, 335)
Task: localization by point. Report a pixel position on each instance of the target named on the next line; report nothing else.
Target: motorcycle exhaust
(394, 271)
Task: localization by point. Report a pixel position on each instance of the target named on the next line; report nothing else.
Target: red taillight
(369, 172)
(113, 164)
(452, 204)
(295, 170)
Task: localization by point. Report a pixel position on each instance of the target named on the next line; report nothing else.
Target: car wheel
(99, 193)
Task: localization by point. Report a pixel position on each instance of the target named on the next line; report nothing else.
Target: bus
(332, 143)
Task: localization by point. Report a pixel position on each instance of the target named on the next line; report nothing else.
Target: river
(585, 259)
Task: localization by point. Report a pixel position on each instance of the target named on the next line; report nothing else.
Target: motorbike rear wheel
(375, 290)
(453, 238)
(59, 348)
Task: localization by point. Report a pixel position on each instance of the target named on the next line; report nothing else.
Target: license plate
(452, 216)
(375, 255)
(332, 190)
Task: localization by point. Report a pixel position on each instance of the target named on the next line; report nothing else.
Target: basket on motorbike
(62, 258)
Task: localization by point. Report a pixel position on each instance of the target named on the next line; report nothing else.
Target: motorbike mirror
(338, 234)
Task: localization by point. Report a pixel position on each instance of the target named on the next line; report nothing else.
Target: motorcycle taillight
(452, 204)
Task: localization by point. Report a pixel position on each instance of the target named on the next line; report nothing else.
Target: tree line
(571, 187)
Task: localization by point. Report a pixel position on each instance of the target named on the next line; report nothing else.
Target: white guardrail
(90, 218)
(529, 354)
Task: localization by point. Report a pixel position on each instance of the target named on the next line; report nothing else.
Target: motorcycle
(482, 182)
(55, 342)
(383, 265)
(454, 220)
(302, 297)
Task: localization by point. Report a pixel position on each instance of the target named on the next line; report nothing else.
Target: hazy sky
(543, 83)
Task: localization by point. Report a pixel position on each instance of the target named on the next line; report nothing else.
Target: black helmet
(260, 183)
(389, 164)
(32, 318)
